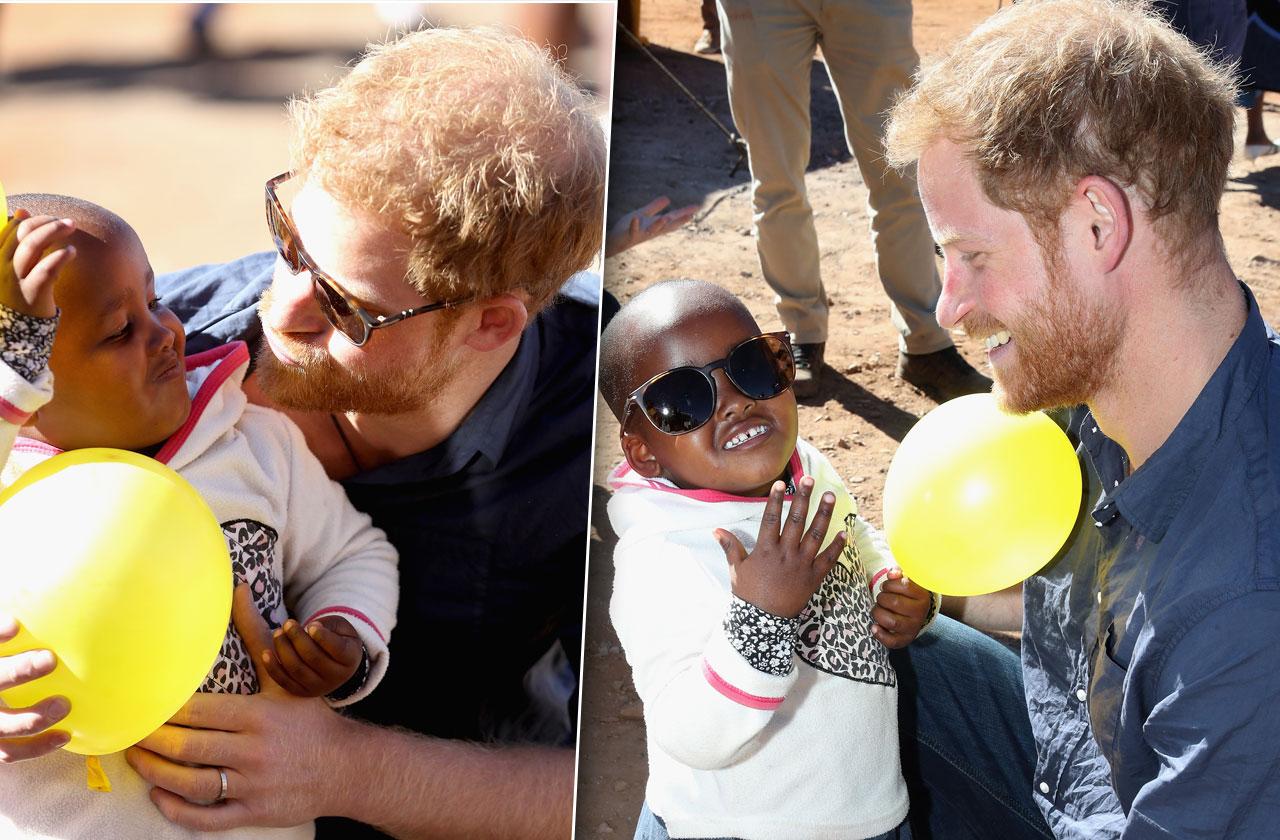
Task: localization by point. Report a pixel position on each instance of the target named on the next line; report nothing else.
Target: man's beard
(320, 384)
(1066, 348)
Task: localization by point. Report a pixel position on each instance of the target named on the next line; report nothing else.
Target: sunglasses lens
(761, 367)
(282, 234)
(679, 401)
(336, 309)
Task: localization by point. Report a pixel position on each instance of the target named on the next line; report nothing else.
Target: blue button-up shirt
(490, 524)
(1151, 646)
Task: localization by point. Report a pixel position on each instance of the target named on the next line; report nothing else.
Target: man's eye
(937, 249)
(119, 334)
(154, 304)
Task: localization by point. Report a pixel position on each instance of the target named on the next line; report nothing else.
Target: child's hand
(900, 610)
(317, 661)
(783, 571)
(26, 271)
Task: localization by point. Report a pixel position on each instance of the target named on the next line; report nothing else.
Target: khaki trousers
(769, 47)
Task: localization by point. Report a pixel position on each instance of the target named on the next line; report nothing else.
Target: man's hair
(645, 322)
(474, 144)
(1046, 92)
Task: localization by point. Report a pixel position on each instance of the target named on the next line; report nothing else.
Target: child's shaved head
(117, 359)
(649, 318)
(91, 219)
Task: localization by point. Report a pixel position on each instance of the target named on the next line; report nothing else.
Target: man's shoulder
(567, 331)
(217, 303)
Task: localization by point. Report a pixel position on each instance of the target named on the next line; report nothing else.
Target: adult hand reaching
(644, 224)
(25, 733)
(291, 759)
(277, 750)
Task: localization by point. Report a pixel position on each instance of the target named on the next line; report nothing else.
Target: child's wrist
(26, 341)
(355, 682)
(765, 640)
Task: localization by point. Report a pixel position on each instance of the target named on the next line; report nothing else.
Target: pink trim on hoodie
(12, 414)
(619, 478)
(737, 695)
(354, 613)
(229, 357)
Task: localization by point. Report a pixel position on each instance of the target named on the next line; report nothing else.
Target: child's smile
(747, 443)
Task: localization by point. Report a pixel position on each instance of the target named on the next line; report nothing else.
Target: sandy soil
(663, 145)
(108, 103)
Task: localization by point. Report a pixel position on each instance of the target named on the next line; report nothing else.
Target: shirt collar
(481, 439)
(1151, 497)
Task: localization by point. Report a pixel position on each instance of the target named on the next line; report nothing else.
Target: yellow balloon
(115, 563)
(976, 500)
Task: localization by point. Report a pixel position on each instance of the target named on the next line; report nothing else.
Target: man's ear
(502, 319)
(1104, 220)
(639, 455)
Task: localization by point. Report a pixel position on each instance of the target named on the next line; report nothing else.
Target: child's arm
(338, 570)
(28, 317)
(712, 681)
(903, 608)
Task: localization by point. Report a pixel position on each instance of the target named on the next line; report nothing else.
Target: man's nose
(293, 307)
(955, 301)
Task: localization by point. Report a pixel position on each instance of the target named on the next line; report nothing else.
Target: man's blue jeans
(968, 755)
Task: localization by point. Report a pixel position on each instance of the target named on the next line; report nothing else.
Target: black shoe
(808, 367)
(943, 375)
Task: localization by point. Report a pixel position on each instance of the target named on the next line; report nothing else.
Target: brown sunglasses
(340, 310)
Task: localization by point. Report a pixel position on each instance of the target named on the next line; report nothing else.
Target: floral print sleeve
(26, 341)
(765, 640)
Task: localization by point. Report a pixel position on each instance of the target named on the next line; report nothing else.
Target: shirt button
(1044, 787)
(1081, 695)
(1099, 596)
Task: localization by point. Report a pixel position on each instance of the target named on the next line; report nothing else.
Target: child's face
(699, 458)
(117, 359)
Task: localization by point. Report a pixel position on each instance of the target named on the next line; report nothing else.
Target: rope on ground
(735, 141)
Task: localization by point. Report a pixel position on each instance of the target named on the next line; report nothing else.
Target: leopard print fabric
(835, 626)
(26, 341)
(253, 550)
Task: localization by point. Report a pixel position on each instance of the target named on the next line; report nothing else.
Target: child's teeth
(994, 341)
(743, 437)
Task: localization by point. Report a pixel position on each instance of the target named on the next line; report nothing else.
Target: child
(122, 381)
(769, 701)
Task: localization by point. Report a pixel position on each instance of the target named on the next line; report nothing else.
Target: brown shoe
(808, 368)
(708, 43)
(943, 375)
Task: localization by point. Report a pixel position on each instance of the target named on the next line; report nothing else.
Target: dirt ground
(109, 103)
(663, 145)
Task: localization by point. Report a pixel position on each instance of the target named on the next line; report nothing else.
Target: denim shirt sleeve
(218, 303)
(1214, 728)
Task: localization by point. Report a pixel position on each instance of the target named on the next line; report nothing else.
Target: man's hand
(25, 733)
(784, 570)
(644, 224)
(26, 271)
(317, 661)
(900, 611)
(278, 750)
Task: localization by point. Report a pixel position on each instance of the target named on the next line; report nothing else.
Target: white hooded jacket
(736, 751)
(293, 535)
